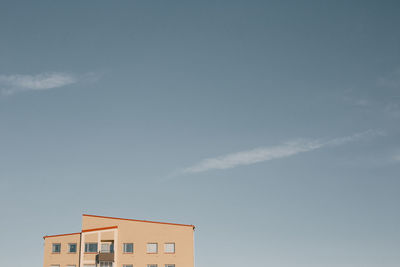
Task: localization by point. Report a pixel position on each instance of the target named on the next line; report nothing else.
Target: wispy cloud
(393, 110)
(274, 152)
(352, 99)
(391, 80)
(357, 102)
(11, 84)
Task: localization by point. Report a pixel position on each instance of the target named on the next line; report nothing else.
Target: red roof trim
(60, 235)
(99, 229)
(105, 217)
(83, 231)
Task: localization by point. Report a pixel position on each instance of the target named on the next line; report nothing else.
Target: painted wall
(127, 231)
(141, 233)
(63, 258)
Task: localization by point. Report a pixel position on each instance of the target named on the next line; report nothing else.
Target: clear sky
(273, 126)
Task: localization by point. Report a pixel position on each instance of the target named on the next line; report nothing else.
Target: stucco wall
(141, 233)
(127, 231)
(63, 258)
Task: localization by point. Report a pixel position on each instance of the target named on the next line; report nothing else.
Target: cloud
(11, 84)
(391, 80)
(274, 152)
(357, 102)
(351, 99)
(362, 102)
(392, 110)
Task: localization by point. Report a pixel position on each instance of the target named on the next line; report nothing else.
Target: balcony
(106, 253)
(105, 256)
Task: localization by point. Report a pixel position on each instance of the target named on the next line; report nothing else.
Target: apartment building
(118, 242)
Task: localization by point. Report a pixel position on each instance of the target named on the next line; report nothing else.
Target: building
(118, 242)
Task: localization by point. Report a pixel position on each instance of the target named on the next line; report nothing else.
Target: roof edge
(99, 229)
(134, 220)
(83, 231)
(46, 236)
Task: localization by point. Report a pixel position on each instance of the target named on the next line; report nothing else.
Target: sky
(273, 126)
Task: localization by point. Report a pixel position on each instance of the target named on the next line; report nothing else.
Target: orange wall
(127, 231)
(141, 233)
(64, 258)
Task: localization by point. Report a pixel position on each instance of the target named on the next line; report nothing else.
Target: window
(169, 247)
(128, 247)
(151, 265)
(169, 265)
(56, 248)
(71, 265)
(89, 265)
(90, 247)
(105, 264)
(127, 265)
(106, 247)
(72, 247)
(152, 247)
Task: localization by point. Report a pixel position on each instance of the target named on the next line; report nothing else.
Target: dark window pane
(72, 248)
(56, 248)
(90, 247)
(128, 247)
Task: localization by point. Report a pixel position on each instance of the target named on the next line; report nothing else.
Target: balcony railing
(105, 256)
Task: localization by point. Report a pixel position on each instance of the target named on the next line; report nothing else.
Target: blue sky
(273, 126)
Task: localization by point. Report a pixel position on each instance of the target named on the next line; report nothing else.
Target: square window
(72, 247)
(127, 265)
(151, 265)
(169, 265)
(169, 247)
(128, 247)
(90, 247)
(106, 247)
(56, 248)
(152, 247)
(106, 264)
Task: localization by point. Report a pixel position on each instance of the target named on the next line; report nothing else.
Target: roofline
(99, 229)
(105, 217)
(83, 231)
(114, 227)
(46, 236)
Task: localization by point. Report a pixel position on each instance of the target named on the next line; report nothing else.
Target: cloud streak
(262, 154)
(391, 80)
(11, 84)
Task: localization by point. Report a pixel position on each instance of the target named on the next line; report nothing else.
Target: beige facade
(118, 242)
